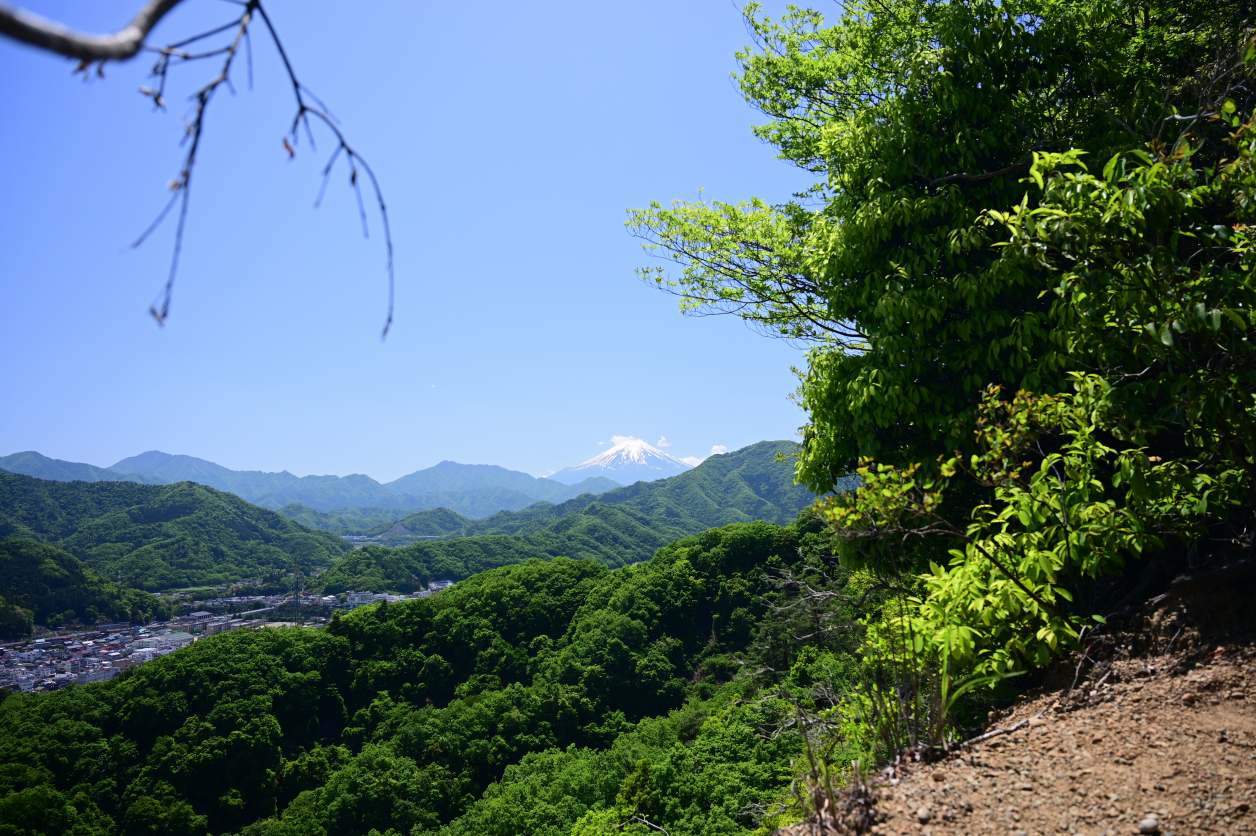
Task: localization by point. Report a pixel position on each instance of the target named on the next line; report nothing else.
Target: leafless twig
(995, 733)
(90, 49)
(640, 819)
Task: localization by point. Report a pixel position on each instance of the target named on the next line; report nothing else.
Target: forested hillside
(622, 526)
(530, 699)
(160, 537)
(52, 587)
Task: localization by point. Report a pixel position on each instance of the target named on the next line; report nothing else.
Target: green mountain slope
(430, 523)
(57, 588)
(327, 492)
(626, 525)
(30, 463)
(48, 510)
(160, 537)
(741, 486)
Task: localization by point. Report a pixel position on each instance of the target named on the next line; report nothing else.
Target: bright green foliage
(194, 738)
(1164, 444)
(1153, 264)
(745, 259)
(1044, 372)
(533, 698)
(918, 117)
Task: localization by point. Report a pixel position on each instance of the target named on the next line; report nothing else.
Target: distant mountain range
(472, 490)
(31, 463)
(622, 526)
(186, 534)
(630, 460)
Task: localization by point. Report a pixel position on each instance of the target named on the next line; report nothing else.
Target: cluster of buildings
(47, 664)
(390, 540)
(353, 600)
(241, 600)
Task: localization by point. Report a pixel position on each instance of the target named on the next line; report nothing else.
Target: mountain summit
(630, 460)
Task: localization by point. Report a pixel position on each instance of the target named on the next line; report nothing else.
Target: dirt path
(1152, 732)
(1148, 753)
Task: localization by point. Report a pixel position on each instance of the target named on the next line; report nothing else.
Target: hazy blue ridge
(478, 502)
(270, 490)
(30, 463)
(179, 468)
(473, 504)
(471, 490)
(343, 520)
(328, 492)
(451, 476)
(561, 492)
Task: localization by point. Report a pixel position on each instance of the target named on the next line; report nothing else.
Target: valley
(115, 535)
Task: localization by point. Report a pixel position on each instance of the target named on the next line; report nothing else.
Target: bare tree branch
(32, 29)
(640, 819)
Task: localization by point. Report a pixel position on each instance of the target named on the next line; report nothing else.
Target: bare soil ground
(1152, 731)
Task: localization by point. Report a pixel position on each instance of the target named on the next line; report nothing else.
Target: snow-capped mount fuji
(630, 460)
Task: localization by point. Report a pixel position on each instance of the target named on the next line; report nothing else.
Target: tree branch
(32, 29)
(307, 105)
(640, 819)
(971, 177)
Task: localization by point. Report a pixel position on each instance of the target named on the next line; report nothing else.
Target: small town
(52, 662)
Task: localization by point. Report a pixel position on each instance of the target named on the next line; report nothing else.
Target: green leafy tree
(918, 117)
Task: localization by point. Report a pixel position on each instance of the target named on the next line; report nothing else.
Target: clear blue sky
(509, 139)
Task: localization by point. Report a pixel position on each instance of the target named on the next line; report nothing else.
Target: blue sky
(509, 140)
